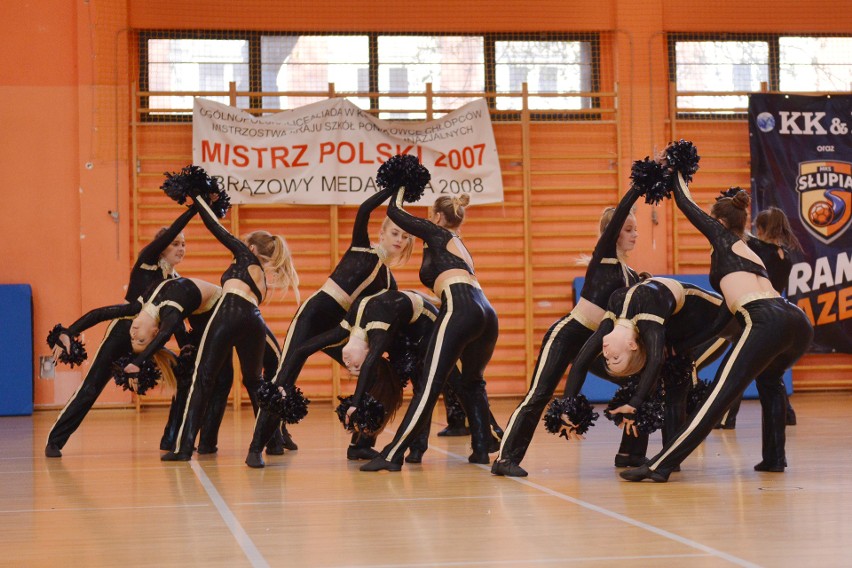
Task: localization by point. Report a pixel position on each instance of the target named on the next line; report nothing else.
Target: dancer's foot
(644, 472)
(770, 467)
(205, 449)
(507, 468)
(629, 460)
(176, 457)
(381, 464)
(479, 457)
(255, 460)
(455, 431)
(354, 453)
(289, 444)
(52, 451)
(414, 456)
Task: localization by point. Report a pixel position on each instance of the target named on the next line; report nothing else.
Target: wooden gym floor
(109, 501)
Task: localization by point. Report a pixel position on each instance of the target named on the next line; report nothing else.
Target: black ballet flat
(204, 449)
(770, 467)
(52, 451)
(353, 453)
(274, 448)
(255, 460)
(644, 472)
(414, 456)
(381, 464)
(629, 460)
(455, 431)
(175, 457)
(289, 444)
(493, 445)
(508, 469)
(479, 457)
(791, 417)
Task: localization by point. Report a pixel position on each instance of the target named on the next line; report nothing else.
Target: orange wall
(63, 106)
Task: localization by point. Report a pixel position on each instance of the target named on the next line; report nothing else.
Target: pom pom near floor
(110, 501)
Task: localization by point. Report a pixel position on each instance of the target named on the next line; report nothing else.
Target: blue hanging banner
(801, 162)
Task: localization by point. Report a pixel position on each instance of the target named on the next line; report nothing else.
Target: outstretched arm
(152, 251)
(422, 228)
(105, 313)
(708, 226)
(654, 337)
(170, 320)
(361, 229)
(606, 246)
(232, 243)
(590, 350)
(296, 358)
(379, 341)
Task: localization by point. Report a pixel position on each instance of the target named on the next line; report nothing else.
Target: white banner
(329, 152)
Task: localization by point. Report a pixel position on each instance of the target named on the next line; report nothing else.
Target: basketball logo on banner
(825, 198)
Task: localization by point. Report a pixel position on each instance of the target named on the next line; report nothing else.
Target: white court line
(514, 562)
(617, 516)
(252, 553)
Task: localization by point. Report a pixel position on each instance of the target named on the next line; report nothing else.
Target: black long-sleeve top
(660, 321)
(723, 260)
(243, 257)
(360, 270)
(146, 272)
(436, 257)
(776, 259)
(606, 272)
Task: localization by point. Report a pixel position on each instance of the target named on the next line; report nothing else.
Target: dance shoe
(644, 472)
(479, 457)
(629, 460)
(791, 417)
(355, 453)
(255, 460)
(507, 468)
(176, 457)
(379, 463)
(204, 449)
(289, 444)
(52, 451)
(275, 447)
(770, 467)
(414, 456)
(455, 431)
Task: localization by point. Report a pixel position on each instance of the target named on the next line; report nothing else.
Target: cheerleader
(363, 269)
(607, 271)
(774, 243)
(644, 324)
(236, 321)
(466, 328)
(774, 334)
(155, 264)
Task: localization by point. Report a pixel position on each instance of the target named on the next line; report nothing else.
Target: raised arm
(609, 237)
(152, 251)
(708, 226)
(223, 235)
(421, 228)
(361, 229)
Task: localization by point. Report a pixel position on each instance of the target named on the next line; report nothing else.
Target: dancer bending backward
(774, 243)
(607, 272)
(236, 321)
(466, 329)
(645, 323)
(363, 269)
(155, 264)
(775, 333)
(161, 317)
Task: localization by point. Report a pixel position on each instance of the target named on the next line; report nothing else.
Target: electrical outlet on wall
(46, 367)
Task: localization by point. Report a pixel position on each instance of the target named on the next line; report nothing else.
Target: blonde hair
(635, 359)
(274, 254)
(165, 361)
(603, 223)
(405, 255)
(452, 208)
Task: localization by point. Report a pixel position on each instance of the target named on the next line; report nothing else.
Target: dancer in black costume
(363, 269)
(645, 323)
(606, 273)
(775, 333)
(155, 263)
(466, 329)
(774, 243)
(236, 321)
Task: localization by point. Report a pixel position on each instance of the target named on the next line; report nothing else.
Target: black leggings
(560, 345)
(115, 344)
(466, 330)
(235, 323)
(318, 314)
(775, 334)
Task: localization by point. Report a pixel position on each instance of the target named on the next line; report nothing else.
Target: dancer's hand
(64, 346)
(131, 368)
(569, 432)
(349, 412)
(627, 424)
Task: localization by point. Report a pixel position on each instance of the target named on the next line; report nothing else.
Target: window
(727, 69)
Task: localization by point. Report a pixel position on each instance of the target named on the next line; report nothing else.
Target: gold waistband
(743, 300)
(247, 296)
(208, 305)
(333, 290)
(586, 322)
(468, 279)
